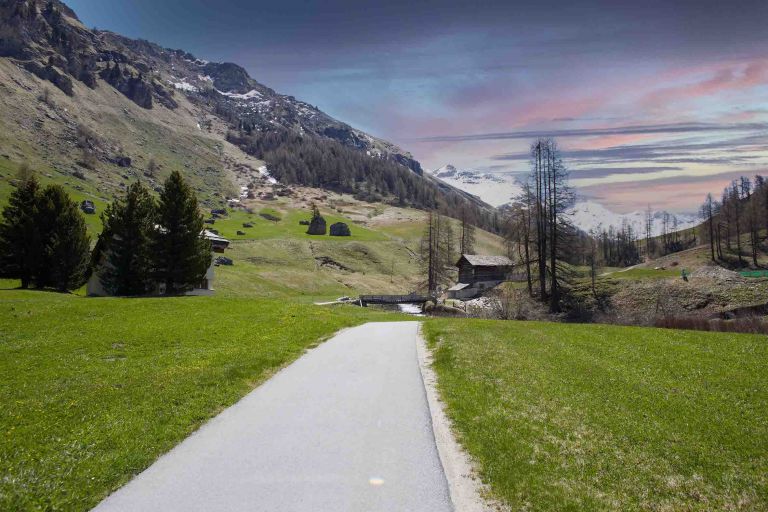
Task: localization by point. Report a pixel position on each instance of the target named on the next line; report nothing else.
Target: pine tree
(181, 255)
(66, 245)
(125, 243)
(20, 243)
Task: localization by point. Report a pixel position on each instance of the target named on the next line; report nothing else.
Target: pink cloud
(732, 77)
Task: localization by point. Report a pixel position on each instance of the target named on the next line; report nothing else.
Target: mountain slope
(97, 107)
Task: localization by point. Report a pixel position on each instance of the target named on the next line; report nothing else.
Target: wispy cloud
(725, 151)
(676, 128)
(603, 172)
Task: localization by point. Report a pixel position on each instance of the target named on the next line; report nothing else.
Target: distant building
(478, 273)
(205, 287)
(218, 242)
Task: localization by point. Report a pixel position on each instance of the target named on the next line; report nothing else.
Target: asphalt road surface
(345, 428)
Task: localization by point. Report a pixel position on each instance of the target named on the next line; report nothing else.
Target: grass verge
(94, 390)
(587, 417)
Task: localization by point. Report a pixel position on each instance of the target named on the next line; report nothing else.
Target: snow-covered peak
(590, 215)
(494, 189)
(498, 190)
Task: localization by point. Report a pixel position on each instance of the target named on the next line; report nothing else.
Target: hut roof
(477, 260)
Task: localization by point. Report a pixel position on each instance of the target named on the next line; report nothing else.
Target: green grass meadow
(595, 417)
(287, 227)
(94, 390)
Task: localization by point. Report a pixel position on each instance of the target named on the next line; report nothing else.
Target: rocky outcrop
(52, 75)
(340, 229)
(48, 39)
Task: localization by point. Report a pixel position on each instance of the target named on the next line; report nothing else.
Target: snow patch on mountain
(494, 189)
(183, 85)
(247, 96)
(266, 174)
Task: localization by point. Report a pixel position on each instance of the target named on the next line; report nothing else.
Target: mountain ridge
(176, 91)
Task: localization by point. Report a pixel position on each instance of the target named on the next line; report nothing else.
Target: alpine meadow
(509, 256)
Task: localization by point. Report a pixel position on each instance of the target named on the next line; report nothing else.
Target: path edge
(464, 486)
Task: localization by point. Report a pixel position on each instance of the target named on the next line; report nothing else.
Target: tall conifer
(20, 243)
(125, 243)
(181, 255)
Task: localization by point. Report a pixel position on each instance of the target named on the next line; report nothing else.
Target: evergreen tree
(125, 243)
(181, 255)
(20, 243)
(66, 245)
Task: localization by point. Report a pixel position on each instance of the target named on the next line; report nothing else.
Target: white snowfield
(499, 189)
(494, 189)
(590, 215)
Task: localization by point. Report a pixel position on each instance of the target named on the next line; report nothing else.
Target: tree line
(144, 242)
(315, 161)
(43, 237)
(742, 212)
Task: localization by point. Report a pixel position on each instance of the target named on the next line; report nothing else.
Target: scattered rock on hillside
(269, 217)
(122, 161)
(719, 273)
(325, 261)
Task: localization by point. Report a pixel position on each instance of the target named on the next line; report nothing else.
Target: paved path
(344, 428)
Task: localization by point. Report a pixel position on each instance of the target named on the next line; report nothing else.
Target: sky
(652, 102)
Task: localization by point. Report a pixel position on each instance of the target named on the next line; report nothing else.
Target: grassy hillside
(96, 389)
(277, 257)
(645, 293)
(45, 134)
(584, 417)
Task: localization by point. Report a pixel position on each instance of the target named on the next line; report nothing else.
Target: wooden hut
(478, 273)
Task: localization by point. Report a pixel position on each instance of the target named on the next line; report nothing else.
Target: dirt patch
(325, 261)
(270, 217)
(719, 273)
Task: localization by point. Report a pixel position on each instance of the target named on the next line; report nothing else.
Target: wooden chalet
(478, 273)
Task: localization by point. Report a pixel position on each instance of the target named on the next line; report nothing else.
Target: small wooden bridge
(394, 299)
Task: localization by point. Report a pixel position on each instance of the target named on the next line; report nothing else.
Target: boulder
(223, 260)
(317, 226)
(247, 225)
(241, 233)
(340, 229)
(304, 222)
(122, 161)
